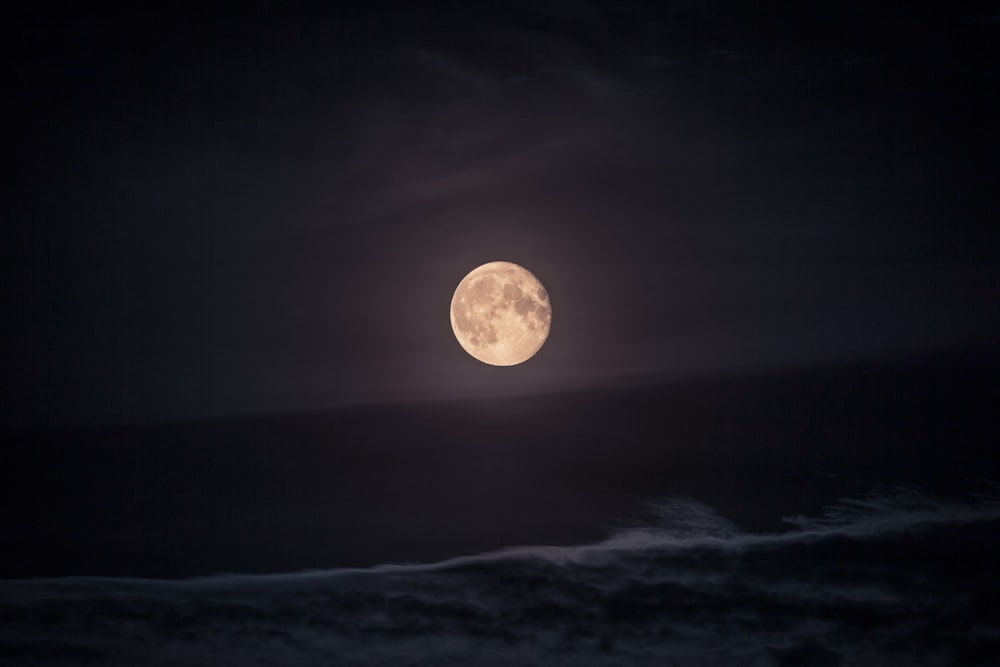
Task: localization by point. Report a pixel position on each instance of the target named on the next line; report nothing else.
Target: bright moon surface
(501, 314)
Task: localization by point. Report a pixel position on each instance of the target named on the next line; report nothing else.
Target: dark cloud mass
(899, 579)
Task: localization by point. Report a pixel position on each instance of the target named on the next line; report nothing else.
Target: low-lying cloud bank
(900, 578)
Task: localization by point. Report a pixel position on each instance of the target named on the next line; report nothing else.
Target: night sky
(243, 209)
(230, 236)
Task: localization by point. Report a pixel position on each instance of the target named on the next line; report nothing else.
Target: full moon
(500, 314)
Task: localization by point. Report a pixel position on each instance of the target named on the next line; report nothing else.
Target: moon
(501, 314)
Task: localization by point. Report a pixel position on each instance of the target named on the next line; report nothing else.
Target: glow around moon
(501, 314)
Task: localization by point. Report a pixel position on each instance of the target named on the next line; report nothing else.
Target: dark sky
(236, 426)
(261, 207)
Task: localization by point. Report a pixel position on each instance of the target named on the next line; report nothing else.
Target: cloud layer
(894, 579)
